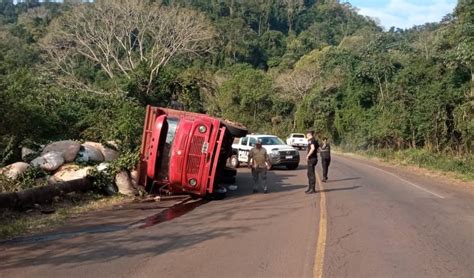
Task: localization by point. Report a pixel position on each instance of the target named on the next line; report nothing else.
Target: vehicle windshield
(268, 141)
(168, 130)
(298, 136)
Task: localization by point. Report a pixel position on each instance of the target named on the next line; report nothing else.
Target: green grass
(461, 167)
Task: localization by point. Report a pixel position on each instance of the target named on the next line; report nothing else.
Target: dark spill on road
(171, 213)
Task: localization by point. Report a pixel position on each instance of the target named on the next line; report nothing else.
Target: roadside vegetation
(460, 167)
(87, 71)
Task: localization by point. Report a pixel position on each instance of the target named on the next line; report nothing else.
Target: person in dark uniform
(312, 158)
(325, 152)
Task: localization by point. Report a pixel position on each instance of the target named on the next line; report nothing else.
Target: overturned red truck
(185, 152)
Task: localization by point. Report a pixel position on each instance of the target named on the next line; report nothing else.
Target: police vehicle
(280, 154)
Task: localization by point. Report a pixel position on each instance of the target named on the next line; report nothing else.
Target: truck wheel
(215, 196)
(234, 161)
(235, 129)
(218, 194)
(292, 166)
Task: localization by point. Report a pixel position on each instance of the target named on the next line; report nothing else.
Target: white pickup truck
(297, 140)
(279, 152)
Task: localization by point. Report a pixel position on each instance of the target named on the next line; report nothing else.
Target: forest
(86, 71)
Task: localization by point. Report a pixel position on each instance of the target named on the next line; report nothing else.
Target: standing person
(325, 152)
(257, 161)
(312, 158)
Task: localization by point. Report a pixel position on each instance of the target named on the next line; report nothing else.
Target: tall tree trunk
(294, 121)
(231, 8)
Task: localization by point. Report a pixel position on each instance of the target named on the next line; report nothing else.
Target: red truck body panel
(181, 151)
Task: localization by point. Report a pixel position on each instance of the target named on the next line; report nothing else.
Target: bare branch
(120, 35)
(294, 85)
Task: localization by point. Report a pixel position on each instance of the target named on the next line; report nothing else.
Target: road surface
(369, 220)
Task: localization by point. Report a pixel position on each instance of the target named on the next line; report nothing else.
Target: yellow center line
(321, 245)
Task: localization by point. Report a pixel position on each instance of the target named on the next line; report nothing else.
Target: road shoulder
(414, 174)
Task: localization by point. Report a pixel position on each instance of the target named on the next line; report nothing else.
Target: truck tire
(235, 129)
(292, 166)
(234, 161)
(215, 196)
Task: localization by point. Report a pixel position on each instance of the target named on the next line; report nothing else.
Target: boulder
(108, 153)
(13, 171)
(95, 145)
(124, 184)
(38, 162)
(89, 153)
(49, 161)
(27, 153)
(68, 149)
(69, 172)
(134, 176)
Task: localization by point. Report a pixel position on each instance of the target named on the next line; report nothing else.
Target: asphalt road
(369, 220)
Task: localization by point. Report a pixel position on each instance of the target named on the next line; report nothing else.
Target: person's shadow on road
(339, 189)
(344, 179)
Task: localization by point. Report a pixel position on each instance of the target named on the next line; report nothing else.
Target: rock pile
(58, 159)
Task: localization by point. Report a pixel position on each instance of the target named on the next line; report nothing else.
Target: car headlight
(275, 152)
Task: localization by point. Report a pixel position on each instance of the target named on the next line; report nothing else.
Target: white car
(279, 152)
(297, 140)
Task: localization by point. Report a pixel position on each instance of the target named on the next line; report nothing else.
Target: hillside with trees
(86, 71)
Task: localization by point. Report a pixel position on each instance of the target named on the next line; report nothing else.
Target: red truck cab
(185, 152)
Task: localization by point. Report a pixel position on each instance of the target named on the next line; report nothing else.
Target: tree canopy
(86, 70)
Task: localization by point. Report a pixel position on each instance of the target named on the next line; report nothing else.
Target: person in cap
(312, 159)
(258, 162)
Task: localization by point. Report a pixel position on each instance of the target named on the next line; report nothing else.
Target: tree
(293, 7)
(294, 85)
(245, 96)
(121, 36)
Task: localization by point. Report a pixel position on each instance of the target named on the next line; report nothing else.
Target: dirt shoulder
(45, 218)
(90, 214)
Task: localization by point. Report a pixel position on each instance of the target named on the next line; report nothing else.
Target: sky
(404, 13)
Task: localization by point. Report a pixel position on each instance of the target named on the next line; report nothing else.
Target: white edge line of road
(406, 181)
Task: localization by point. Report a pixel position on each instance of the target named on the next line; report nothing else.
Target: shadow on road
(277, 182)
(93, 244)
(123, 239)
(345, 179)
(340, 189)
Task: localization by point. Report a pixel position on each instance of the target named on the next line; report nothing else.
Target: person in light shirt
(258, 162)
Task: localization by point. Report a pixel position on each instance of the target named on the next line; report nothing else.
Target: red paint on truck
(184, 152)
